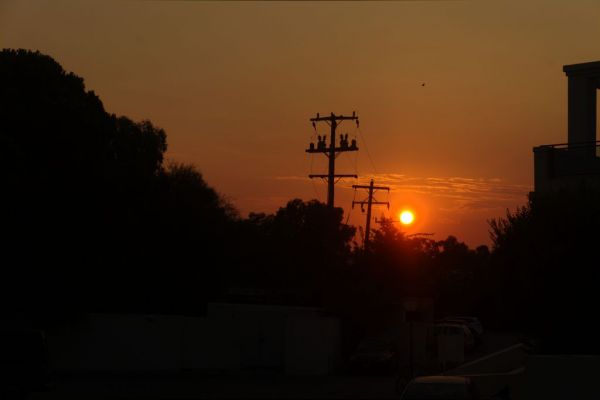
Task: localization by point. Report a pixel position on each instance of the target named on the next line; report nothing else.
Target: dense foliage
(544, 273)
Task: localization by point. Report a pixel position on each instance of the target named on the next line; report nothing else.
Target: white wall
(117, 343)
(210, 344)
(312, 345)
(420, 346)
(232, 337)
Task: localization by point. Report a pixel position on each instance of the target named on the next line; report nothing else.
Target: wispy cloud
(459, 192)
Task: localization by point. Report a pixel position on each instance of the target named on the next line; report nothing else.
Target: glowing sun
(407, 217)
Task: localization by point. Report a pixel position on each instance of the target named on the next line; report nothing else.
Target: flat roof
(591, 69)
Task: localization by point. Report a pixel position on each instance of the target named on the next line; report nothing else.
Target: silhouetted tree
(458, 272)
(298, 252)
(544, 273)
(91, 218)
(137, 148)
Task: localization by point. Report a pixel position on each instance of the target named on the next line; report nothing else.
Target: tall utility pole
(332, 151)
(369, 202)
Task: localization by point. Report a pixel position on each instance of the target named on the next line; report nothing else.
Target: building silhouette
(575, 164)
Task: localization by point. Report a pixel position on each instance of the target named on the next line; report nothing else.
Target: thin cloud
(462, 193)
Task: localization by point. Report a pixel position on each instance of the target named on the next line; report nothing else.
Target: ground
(243, 385)
(238, 386)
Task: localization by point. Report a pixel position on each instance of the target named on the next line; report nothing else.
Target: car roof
(457, 320)
(471, 319)
(462, 322)
(441, 379)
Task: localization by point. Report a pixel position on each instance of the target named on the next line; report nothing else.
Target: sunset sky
(235, 83)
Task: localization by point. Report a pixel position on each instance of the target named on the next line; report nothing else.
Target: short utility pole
(332, 151)
(369, 202)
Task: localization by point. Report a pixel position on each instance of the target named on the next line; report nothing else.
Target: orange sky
(234, 85)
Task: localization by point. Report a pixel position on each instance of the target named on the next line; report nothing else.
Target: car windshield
(435, 391)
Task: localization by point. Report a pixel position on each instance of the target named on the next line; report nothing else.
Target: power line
(367, 149)
(350, 211)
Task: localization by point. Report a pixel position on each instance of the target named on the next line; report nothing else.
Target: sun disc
(407, 217)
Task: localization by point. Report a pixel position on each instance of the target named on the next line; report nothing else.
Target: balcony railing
(572, 158)
(575, 146)
(557, 165)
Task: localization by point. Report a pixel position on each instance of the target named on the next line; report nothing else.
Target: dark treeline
(94, 220)
(545, 269)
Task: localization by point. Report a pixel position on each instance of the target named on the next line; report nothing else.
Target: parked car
(374, 356)
(447, 328)
(471, 322)
(440, 388)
